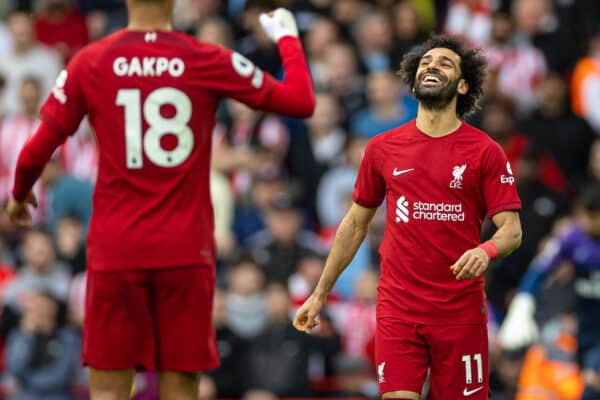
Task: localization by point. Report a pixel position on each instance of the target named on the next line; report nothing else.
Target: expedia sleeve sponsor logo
(510, 179)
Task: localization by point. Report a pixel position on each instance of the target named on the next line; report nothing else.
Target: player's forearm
(508, 237)
(348, 239)
(294, 96)
(33, 158)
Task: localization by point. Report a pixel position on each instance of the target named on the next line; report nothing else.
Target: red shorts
(456, 356)
(153, 319)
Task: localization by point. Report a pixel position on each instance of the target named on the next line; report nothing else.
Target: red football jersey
(151, 98)
(437, 192)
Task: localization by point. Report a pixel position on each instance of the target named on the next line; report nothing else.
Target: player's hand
(519, 328)
(306, 316)
(472, 264)
(279, 23)
(18, 211)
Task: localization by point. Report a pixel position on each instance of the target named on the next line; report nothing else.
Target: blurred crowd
(281, 186)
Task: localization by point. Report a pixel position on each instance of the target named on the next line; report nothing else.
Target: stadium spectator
(250, 213)
(80, 154)
(591, 375)
(215, 30)
(322, 33)
(585, 84)
(389, 106)
(337, 184)
(356, 322)
(345, 82)
(557, 131)
(228, 379)
(65, 195)
(550, 368)
(407, 31)
(43, 352)
(575, 243)
(284, 242)
(305, 279)
(469, 20)
(373, 35)
(327, 137)
(247, 141)
(70, 242)
(278, 358)
(27, 58)
(245, 300)
(61, 26)
(537, 22)
(40, 271)
(518, 63)
(594, 163)
(15, 129)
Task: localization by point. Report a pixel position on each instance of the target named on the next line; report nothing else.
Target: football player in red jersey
(440, 177)
(151, 95)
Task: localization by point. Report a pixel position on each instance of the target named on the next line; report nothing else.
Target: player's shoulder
(198, 46)
(398, 132)
(90, 53)
(478, 136)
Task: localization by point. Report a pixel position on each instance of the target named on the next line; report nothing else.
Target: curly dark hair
(472, 64)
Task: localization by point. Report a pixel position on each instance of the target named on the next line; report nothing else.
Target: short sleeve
(65, 107)
(237, 77)
(499, 184)
(369, 189)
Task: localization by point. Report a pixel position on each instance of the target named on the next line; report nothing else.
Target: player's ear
(463, 87)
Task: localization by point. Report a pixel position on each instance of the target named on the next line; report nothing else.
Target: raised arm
(350, 234)
(294, 96)
(230, 74)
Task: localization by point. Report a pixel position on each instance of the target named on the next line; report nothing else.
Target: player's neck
(149, 17)
(437, 123)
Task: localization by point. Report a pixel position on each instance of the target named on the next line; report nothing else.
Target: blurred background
(280, 187)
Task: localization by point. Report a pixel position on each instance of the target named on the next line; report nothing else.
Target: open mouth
(430, 79)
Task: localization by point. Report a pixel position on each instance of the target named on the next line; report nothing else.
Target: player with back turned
(151, 95)
(440, 177)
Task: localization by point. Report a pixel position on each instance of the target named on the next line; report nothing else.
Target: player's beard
(436, 98)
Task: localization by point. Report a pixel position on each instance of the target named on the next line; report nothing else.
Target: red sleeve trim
(514, 206)
(366, 203)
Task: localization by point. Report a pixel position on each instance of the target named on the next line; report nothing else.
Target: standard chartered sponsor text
(438, 211)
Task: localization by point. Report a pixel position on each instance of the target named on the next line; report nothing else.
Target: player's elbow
(517, 237)
(307, 106)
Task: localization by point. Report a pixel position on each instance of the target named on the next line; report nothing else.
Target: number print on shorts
(159, 126)
(466, 359)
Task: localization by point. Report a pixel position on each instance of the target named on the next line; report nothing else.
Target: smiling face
(438, 79)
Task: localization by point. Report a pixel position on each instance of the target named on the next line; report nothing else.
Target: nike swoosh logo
(467, 393)
(395, 172)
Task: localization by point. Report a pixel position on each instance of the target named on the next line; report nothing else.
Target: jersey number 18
(158, 126)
